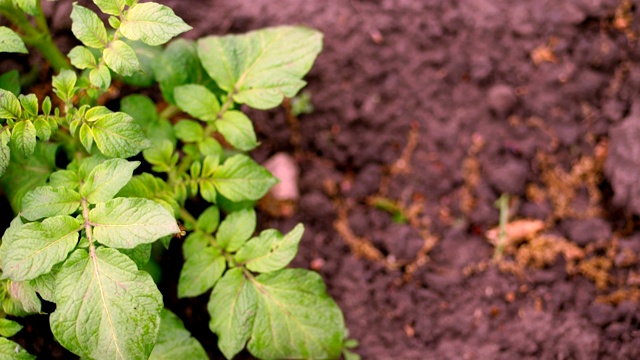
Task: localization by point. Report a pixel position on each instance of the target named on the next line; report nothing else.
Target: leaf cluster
(84, 232)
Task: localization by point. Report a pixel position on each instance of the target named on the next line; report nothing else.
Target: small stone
(285, 169)
(501, 99)
(602, 314)
(583, 232)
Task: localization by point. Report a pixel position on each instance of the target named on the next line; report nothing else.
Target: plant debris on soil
(425, 113)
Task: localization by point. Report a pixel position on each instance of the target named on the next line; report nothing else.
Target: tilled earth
(426, 112)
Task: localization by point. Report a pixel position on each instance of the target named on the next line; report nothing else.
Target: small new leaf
(129, 222)
(10, 41)
(100, 77)
(237, 129)
(23, 137)
(121, 58)
(64, 84)
(200, 272)
(9, 105)
(188, 131)
(9, 328)
(152, 23)
(88, 27)
(197, 101)
(29, 104)
(82, 58)
(106, 179)
(111, 7)
(209, 220)
(240, 178)
(270, 251)
(36, 247)
(48, 201)
(236, 229)
(106, 307)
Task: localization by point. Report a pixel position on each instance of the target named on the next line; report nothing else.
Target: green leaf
(208, 191)
(28, 6)
(23, 138)
(350, 355)
(64, 85)
(143, 111)
(10, 81)
(195, 243)
(152, 23)
(88, 28)
(29, 104)
(45, 284)
(153, 188)
(161, 156)
(270, 251)
(141, 108)
(106, 179)
(121, 58)
(236, 229)
(261, 67)
(5, 152)
(232, 308)
(11, 42)
(65, 178)
(240, 178)
(139, 254)
(117, 136)
(200, 272)
(197, 101)
(210, 147)
(106, 307)
(209, 220)
(9, 105)
(12, 351)
(175, 342)
(24, 175)
(237, 129)
(100, 77)
(22, 300)
(111, 7)
(48, 201)
(188, 130)
(82, 58)
(178, 65)
(37, 247)
(129, 222)
(43, 128)
(9, 328)
(86, 137)
(147, 55)
(287, 323)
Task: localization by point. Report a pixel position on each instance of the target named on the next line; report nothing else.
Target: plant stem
(187, 217)
(39, 37)
(169, 111)
(503, 205)
(87, 227)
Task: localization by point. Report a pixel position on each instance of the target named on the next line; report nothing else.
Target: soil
(426, 112)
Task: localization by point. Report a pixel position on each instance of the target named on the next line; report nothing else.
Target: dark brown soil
(438, 108)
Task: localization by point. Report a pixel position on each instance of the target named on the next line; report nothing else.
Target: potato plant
(87, 215)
